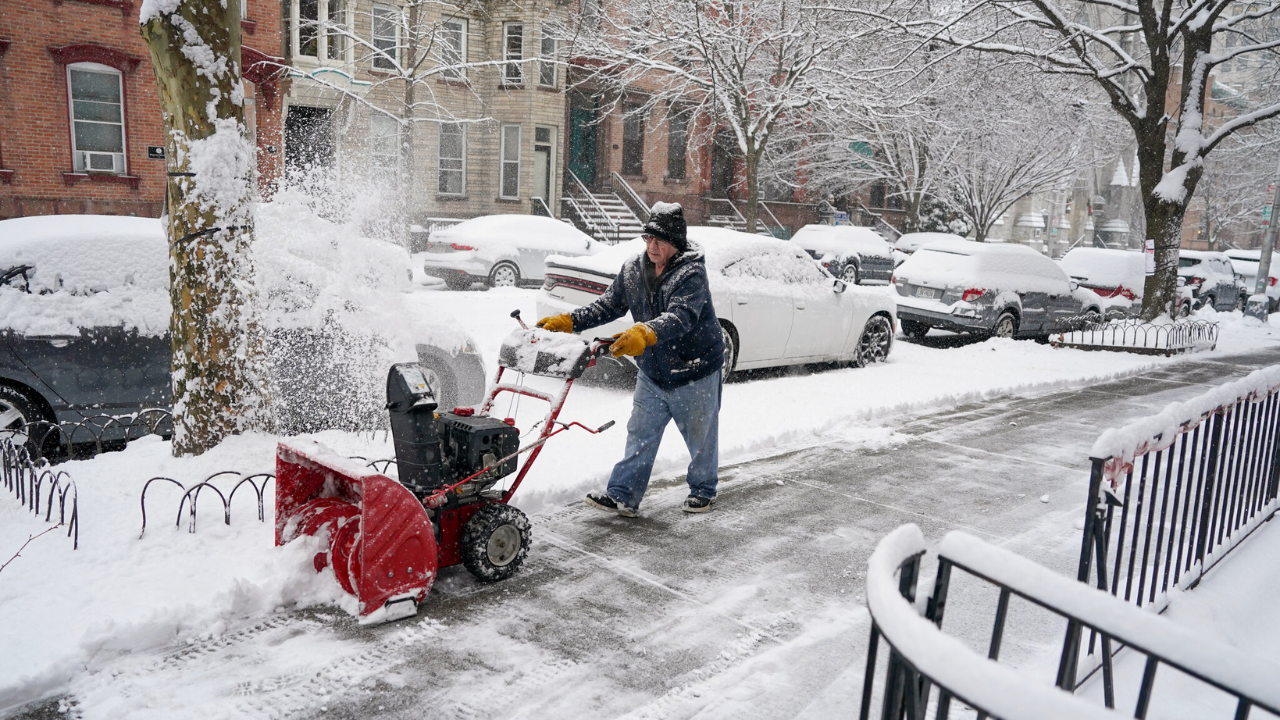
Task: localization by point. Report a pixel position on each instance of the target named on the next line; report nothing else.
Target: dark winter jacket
(677, 305)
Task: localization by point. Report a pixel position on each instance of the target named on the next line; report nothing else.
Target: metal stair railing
(582, 188)
(737, 213)
(631, 199)
(780, 229)
(538, 206)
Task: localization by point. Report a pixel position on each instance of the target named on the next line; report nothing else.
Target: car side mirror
(1074, 285)
(838, 286)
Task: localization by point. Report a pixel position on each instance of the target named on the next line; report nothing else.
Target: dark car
(856, 255)
(999, 289)
(84, 332)
(1211, 278)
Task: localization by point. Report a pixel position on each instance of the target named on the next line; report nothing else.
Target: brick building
(79, 106)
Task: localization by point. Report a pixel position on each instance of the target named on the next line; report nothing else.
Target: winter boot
(695, 504)
(600, 501)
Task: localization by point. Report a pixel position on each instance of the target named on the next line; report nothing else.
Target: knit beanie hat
(666, 221)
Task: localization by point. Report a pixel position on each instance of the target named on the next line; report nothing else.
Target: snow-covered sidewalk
(68, 613)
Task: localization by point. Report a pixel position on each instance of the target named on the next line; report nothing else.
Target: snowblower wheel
(495, 542)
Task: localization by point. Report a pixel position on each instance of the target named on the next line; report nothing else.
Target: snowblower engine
(438, 449)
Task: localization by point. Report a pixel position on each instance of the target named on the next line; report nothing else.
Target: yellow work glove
(633, 340)
(557, 323)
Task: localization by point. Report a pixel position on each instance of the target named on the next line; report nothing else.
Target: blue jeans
(696, 409)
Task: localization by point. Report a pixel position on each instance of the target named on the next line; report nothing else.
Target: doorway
(583, 138)
(542, 154)
(308, 138)
(722, 160)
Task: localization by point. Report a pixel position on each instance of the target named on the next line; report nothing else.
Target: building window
(677, 142)
(513, 53)
(322, 28)
(633, 140)
(386, 37)
(510, 161)
(453, 153)
(384, 149)
(453, 50)
(547, 59)
(97, 118)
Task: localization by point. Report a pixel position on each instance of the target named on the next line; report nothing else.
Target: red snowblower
(387, 538)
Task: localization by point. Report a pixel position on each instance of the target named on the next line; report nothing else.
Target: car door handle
(800, 305)
(54, 340)
(741, 301)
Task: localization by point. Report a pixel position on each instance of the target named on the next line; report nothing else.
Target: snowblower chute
(381, 544)
(387, 538)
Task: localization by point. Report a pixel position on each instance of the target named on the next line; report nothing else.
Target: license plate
(930, 293)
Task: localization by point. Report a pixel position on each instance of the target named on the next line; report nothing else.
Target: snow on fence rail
(1143, 338)
(922, 657)
(37, 485)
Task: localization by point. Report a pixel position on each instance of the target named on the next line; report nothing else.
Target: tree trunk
(753, 190)
(218, 383)
(1164, 226)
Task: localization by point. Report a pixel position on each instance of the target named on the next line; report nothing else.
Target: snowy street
(753, 610)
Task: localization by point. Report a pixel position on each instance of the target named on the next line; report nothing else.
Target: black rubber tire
(495, 542)
(1208, 300)
(914, 330)
(1242, 301)
(875, 342)
(849, 273)
(730, 353)
(1091, 317)
(458, 284)
(497, 275)
(28, 410)
(446, 380)
(1006, 325)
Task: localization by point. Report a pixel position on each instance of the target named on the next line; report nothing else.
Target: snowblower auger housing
(446, 508)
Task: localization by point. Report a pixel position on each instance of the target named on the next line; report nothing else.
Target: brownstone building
(80, 112)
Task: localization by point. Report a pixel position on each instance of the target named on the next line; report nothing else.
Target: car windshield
(1188, 262)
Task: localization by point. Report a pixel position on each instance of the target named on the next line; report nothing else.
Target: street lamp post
(1261, 308)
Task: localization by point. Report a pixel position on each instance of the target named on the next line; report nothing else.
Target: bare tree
(1234, 188)
(218, 385)
(1153, 61)
(745, 67)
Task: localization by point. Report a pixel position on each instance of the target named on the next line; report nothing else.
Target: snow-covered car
(775, 305)
(501, 250)
(911, 242)
(84, 321)
(857, 255)
(1211, 278)
(1118, 277)
(1245, 264)
(999, 289)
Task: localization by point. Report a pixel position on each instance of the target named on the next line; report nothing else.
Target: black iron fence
(191, 495)
(1135, 336)
(93, 435)
(926, 669)
(38, 486)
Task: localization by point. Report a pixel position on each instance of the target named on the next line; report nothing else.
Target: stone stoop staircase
(736, 223)
(616, 223)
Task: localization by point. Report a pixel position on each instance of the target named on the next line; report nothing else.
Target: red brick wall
(35, 127)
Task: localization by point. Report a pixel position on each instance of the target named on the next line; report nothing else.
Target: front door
(542, 168)
(722, 165)
(582, 143)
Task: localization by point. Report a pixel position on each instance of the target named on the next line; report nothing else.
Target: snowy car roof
(1106, 267)
(531, 231)
(841, 239)
(1003, 266)
(910, 242)
(86, 253)
(721, 245)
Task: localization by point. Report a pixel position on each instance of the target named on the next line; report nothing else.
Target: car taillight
(893, 279)
(456, 246)
(972, 294)
(1194, 280)
(553, 281)
(1122, 291)
(1271, 281)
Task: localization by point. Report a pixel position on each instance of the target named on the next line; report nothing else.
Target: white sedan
(501, 250)
(775, 305)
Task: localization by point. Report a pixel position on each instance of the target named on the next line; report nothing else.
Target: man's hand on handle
(633, 340)
(557, 323)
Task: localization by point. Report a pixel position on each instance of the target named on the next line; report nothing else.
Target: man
(681, 358)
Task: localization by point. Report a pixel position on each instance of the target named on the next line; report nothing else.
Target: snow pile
(1119, 446)
(88, 270)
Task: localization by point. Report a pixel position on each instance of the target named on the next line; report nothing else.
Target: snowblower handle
(516, 314)
(600, 346)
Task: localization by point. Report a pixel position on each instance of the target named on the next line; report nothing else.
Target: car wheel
(26, 423)
(730, 353)
(461, 283)
(875, 342)
(850, 274)
(1184, 310)
(1006, 325)
(1091, 317)
(495, 542)
(1242, 301)
(442, 380)
(1208, 300)
(504, 275)
(914, 330)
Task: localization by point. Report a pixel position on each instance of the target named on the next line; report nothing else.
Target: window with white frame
(384, 149)
(386, 37)
(547, 59)
(453, 48)
(510, 162)
(319, 29)
(453, 163)
(513, 53)
(96, 96)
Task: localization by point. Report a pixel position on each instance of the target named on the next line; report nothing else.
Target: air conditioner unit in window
(103, 162)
